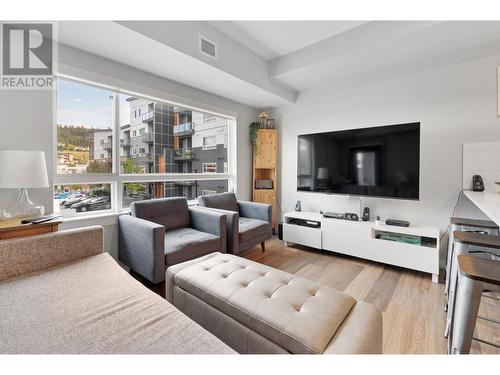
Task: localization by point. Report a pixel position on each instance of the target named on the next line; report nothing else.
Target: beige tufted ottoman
(257, 309)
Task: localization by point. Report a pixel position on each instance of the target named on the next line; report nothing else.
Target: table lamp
(323, 178)
(23, 170)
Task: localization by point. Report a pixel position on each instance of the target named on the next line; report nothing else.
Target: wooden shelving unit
(264, 168)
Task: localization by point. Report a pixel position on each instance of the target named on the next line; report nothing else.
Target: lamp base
(24, 208)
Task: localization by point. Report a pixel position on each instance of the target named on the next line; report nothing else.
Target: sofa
(257, 309)
(248, 223)
(60, 293)
(161, 232)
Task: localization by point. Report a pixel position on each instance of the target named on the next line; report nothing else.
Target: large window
(158, 137)
(84, 128)
(134, 147)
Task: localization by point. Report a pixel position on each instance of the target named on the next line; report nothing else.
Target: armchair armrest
(232, 227)
(142, 246)
(210, 221)
(254, 210)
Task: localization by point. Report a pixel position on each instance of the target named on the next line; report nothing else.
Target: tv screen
(380, 161)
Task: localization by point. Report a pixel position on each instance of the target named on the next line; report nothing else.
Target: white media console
(364, 239)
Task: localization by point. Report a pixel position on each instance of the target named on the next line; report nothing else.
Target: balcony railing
(107, 146)
(125, 142)
(144, 155)
(148, 116)
(184, 129)
(183, 155)
(148, 137)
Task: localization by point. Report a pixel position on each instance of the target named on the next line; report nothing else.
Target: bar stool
(476, 276)
(484, 246)
(464, 225)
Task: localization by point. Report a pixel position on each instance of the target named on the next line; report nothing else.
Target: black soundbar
(397, 223)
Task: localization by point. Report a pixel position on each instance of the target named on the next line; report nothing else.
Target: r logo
(27, 49)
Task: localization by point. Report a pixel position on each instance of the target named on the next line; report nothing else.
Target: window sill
(70, 219)
(110, 215)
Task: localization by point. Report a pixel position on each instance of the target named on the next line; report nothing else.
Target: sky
(79, 104)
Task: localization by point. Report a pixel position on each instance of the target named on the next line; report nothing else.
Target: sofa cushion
(172, 213)
(186, 243)
(93, 306)
(251, 228)
(299, 315)
(223, 201)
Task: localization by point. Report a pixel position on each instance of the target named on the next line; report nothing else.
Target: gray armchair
(248, 223)
(161, 232)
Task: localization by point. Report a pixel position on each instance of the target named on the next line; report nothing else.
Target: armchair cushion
(252, 228)
(254, 210)
(223, 201)
(186, 243)
(172, 213)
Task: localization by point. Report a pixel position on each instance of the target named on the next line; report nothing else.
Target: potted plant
(253, 129)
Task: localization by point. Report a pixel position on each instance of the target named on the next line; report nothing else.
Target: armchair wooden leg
(263, 246)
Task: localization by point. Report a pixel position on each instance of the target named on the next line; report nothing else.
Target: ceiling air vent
(208, 48)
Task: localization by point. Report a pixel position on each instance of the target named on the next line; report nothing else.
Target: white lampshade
(23, 169)
(322, 173)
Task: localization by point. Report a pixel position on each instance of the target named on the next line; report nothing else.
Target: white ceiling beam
(367, 35)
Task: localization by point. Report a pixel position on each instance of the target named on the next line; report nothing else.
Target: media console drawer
(302, 235)
(421, 258)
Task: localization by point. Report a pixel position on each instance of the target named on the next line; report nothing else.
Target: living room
(234, 184)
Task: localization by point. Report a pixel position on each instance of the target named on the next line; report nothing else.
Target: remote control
(39, 219)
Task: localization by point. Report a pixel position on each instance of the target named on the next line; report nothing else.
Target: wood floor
(412, 305)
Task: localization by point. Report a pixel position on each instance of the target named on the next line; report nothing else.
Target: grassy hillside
(73, 136)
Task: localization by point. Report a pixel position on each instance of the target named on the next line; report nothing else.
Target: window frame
(117, 179)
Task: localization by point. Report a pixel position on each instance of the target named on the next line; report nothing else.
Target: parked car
(62, 195)
(93, 204)
(69, 202)
(69, 197)
(78, 204)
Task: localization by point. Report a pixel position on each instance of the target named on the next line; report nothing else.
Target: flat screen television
(381, 161)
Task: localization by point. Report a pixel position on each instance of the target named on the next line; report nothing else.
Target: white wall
(455, 105)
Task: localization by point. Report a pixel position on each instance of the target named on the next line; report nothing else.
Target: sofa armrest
(254, 210)
(25, 255)
(232, 228)
(210, 221)
(142, 247)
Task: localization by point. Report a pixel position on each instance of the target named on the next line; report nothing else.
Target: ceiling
(271, 39)
(379, 50)
(266, 63)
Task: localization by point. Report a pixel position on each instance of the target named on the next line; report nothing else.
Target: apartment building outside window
(209, 143)
(209, 167)
(133, 147)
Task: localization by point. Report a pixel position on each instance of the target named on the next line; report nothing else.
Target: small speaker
(280, 231)
(477, 183)
(366, 214)
(298, 206)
